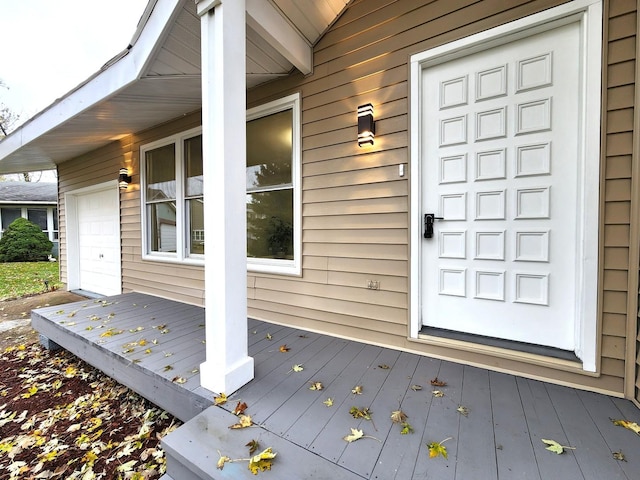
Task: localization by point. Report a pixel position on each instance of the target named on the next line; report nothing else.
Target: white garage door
(99, 242)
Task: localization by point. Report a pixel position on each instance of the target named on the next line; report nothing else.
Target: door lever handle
(429, 218)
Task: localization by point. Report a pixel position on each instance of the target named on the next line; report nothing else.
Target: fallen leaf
(619, 456)
(438, 393)
(462, 410)
(357, 390)
(416, 388)
(633, 426)
(179, 380)
(360, 413)
(555, 447)
(355, 435)
(240, 408)
(222, 460)
(437, 448)
(297, 368)
(316, 386)
(328, 402)
(220, 399)
(438, 383)
(406, 428)
(384, 366)
(167, 368)
(398, 416)
(284, 348)
(244, 422)
(268, 336)
(262, 461)
(253, 446)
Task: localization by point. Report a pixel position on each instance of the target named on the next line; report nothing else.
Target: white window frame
(181, 255)
(272, 265)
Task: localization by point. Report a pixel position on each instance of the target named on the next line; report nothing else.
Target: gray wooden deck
(500, 438)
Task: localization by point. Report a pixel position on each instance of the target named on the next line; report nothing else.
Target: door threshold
(501, 343)
(87, 293)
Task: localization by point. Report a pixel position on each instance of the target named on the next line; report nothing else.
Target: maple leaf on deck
(360, 413)
(220, 399)
(316, 386)
(240, 408)
(253, 446)
(555, 447)
(244, 422)
(406, 428)
(438, 393)
(357, 390)
(398, 416)
(462, 410)
(355, 435)
(262, 461)
(438, 383)
(328, 402)
(284, 348)
(633, 426)
(222, 460)
(437, 448)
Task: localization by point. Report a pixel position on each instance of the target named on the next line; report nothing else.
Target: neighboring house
(35, 201)
(515, 121)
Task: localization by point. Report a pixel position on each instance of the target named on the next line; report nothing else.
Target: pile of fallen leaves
(60, 418)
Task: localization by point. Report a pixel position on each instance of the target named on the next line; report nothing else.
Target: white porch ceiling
(166, 86)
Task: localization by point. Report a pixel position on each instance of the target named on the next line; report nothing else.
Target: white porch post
(227, 366)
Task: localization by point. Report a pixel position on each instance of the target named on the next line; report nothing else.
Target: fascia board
(102, 84)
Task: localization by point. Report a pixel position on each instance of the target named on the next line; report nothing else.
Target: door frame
(589, 14)
(73, 231)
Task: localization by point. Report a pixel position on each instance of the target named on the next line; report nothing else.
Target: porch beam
(227, 366)
(278, 32)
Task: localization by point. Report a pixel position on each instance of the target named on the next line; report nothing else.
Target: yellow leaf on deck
(220, 399)
(262, 461)
(633, 426)
(355, 435)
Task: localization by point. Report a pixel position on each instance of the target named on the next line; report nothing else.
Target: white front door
(99, 242)
(501, 139)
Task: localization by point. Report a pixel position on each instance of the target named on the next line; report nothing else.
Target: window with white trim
(172, 198)
(273, 187)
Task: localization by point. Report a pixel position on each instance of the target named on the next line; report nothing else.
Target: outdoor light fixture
(366, 125)
(124, 179)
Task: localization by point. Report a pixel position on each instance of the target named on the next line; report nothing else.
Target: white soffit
(157, 78)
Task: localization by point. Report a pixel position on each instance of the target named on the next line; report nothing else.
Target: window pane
(9, 215)
(162, 227)
(161, 173)
(269, 150)
(193, 165)
(270, 224)
(195, 209)
(55, 219)
(38, 216)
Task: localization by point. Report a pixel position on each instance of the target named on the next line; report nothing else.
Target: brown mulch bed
(62, 419)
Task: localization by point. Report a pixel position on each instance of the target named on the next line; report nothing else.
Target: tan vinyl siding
(170, 280)
(356, 206)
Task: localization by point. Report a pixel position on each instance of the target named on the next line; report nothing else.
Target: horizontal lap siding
(619, 52)
(356, 206)
(173, 281)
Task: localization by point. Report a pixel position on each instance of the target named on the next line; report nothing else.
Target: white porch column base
(218, 380)
(224, 115)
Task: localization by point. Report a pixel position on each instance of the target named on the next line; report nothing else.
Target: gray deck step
(192, 452)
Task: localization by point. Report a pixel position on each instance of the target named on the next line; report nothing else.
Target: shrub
(23, 241)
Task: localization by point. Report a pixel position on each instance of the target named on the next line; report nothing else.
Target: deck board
(499, 439)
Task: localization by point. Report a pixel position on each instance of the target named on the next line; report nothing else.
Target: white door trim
(589, 14)
(73, 234)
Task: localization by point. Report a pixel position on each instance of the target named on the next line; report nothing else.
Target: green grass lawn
(20, 279)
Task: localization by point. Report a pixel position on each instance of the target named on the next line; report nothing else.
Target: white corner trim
(278, 32)
(589, 13)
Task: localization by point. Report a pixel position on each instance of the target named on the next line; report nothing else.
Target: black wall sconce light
(366, 125)
(124, 179)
